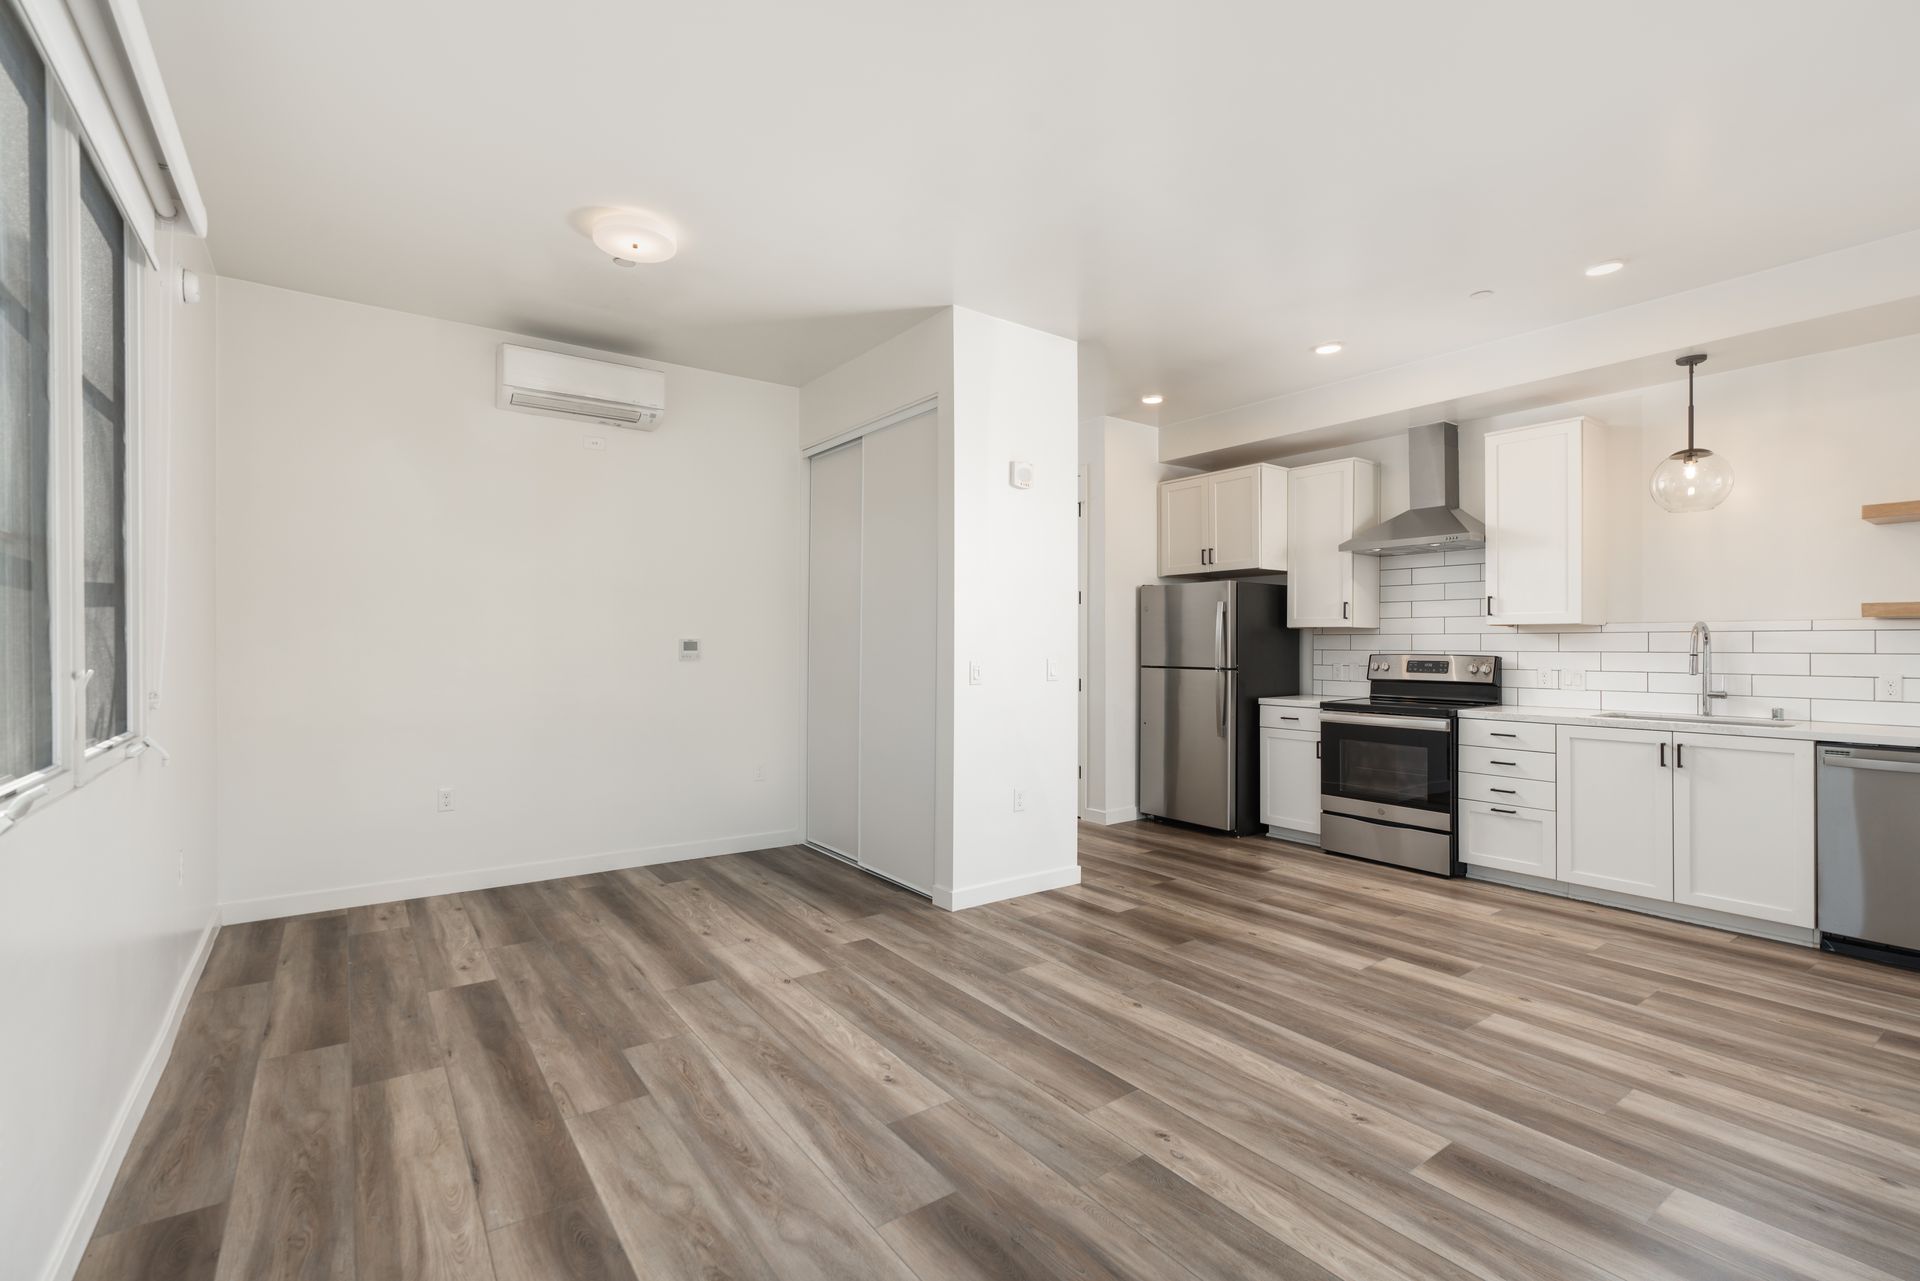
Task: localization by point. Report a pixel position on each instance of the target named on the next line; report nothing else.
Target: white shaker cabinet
(1544, 511)
(1328, 503)
(1232, 521)
(1614, 789)
(1290, 780)
(1183, 526)
(1743, 826)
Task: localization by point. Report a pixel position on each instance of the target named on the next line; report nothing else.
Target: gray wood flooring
(1212, 1059)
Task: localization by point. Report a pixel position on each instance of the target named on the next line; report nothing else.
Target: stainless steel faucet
(1700, 663)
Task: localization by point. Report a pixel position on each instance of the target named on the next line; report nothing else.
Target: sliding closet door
(897, 619)
(833, 652)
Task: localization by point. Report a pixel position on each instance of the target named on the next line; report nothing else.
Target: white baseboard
(86, 1212)
(337, 897)
(955, 900)
(1107, 818)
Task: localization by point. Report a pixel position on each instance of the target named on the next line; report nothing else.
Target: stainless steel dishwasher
(1869, 853)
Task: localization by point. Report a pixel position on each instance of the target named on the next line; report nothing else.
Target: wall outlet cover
(443, 799)
(1889, 687)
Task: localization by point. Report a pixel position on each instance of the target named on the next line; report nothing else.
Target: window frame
(76, 763)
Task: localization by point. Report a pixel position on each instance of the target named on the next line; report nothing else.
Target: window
(102, 412)
(26, 615)
(68, 642)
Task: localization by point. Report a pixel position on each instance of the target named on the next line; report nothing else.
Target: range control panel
(1476, 669)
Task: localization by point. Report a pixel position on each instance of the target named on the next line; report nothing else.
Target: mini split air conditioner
(562, 386)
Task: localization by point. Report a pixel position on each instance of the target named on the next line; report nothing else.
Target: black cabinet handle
(1289, 718)
(1516, 764)
(1494, 733)
(1344, 607)
(1489, 604)
(1504, 791)
(1316, 750)
(1679, 755)
(1663, 756)
(1496, 809)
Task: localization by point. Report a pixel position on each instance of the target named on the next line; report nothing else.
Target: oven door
(1388, 768)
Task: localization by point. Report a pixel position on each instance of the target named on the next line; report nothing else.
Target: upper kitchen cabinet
(1544, 535)
(1328, 503)
(1232, 521)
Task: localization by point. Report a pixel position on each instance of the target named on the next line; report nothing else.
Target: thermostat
(1020, 475)
(689, 650)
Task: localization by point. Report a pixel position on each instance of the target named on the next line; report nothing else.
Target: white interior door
(897, 659)
(833, 651)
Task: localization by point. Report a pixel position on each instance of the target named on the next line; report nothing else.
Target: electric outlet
(1889, 687)
(443, 799)
(759, 773)
(1019, 800)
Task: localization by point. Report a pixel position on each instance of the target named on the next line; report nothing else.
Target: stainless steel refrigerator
(1209, 652)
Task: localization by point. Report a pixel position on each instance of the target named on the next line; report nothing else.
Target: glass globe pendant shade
(1693, 480)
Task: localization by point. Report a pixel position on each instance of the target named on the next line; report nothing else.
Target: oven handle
(1395, 722)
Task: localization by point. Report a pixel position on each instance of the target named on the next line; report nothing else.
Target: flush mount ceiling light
(1692, 480)
(1153, 399)
(1606, 268)
(1327, 348)
(633, 238)
(1480, 295)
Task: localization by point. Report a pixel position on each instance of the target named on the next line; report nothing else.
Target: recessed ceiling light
(633, 237)
(1606, 268)
(1481, 295)
(1154, 399)
(1326, 348)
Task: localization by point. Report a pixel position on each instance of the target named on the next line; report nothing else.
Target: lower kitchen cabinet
(1717, 821)
(1615, 801)
(1509, 837)
(1290, 780)
(1743, 826)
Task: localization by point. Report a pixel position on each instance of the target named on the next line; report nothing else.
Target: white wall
(106, 894)
(1005, 577)
(1015, 569)
(417, 589)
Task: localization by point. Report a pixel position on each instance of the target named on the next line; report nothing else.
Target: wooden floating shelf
(1891, 513)
(1891, 609)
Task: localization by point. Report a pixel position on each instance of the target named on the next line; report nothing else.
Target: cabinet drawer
(1534, 793)
(1305, 719)
(1506, 762)
(1528, 736)
(1511, 837)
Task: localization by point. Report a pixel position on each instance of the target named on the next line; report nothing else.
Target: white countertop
(1295, 700)
(1823, 731)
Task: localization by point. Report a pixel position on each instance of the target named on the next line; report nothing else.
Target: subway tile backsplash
(1811, 669)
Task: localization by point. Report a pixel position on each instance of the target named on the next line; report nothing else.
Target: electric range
(1388, 761)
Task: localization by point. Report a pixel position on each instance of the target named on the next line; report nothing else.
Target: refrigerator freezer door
(1188, 727)
(1187, 625)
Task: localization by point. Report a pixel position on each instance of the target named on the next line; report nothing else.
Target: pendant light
(1693, 480)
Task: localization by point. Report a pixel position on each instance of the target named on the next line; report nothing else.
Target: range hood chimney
(1434, 521)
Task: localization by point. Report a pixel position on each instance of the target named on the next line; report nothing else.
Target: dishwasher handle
(1891, 760)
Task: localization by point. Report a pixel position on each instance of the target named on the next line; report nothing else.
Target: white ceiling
(1205, 189)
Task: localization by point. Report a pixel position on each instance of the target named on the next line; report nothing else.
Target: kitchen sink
(1692, 718)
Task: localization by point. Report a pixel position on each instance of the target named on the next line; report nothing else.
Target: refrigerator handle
(1220, 633)
(1220, 698)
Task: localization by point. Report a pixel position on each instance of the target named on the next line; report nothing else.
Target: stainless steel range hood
(1434, 521)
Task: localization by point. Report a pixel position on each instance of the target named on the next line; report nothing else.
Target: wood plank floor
(1211, 1059)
